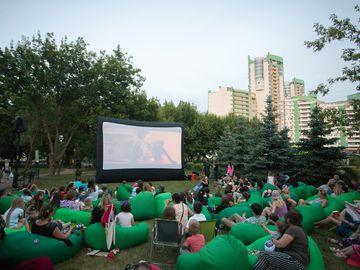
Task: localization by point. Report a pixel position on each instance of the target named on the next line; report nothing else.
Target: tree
(270, 150)
(61, 88)
(319, 158)
(341, 30)
(227, 149)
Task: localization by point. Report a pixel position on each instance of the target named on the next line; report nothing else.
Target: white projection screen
(131, 150)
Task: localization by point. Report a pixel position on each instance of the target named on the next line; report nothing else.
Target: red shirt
(195, 242)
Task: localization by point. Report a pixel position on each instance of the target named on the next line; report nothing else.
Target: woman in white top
(14, 216)
(125, 218)
(181, 210)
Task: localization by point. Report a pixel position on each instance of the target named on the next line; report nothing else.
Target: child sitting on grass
(196, 241)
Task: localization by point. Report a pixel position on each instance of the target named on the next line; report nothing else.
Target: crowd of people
(289, 239)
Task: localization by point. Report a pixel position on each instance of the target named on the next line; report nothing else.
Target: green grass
(165, 256)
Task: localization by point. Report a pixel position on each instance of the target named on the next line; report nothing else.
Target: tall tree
(319, 158)
(63, 86)
(341, 30)
(269, 150)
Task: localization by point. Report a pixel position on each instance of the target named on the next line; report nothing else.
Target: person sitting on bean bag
(35, 205)
(197, 216)
(26, 196)
(46, 226)
(125, 218)
(14, 216)
(69, 201)
(292, 249)
(236, 218)
(196, 241)
(277, 206)
(321, 200)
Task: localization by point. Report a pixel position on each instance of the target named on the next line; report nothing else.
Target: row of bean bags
(316, 258)
(223, 252)
(125, 237)
(22, 246)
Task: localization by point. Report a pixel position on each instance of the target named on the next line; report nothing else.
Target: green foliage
(348, 31)
(318, 160)
(270, 150)
(60, 88)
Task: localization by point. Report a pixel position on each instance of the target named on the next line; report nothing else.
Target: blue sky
(185, 48)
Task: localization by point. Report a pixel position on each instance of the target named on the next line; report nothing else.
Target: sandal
(334, 250)
(340, 254)
(332, 241)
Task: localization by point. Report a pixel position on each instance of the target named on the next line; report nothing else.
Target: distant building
(266, 78)
(227, 100)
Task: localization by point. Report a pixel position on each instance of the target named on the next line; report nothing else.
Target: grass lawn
(165, 256)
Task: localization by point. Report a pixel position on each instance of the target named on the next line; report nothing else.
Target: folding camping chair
(166, 233)
(207, 228)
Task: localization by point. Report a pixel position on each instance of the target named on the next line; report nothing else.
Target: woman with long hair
(292, 249)
(14, 216)
(35, 205)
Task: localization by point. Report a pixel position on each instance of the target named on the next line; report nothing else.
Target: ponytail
(16, 203)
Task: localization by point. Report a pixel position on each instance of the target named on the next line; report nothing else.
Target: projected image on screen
(129, 147)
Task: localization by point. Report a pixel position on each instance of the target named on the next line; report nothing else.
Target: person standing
(207, 168)
(230, 169)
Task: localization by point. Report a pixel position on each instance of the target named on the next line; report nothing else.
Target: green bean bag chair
(349, 197)
(247, 233)
(22, 246)
(124, 237)
(333, 205)
(69, 215)
(229, 211)
(10, 231)
(206, 213)
(308, 219)
(311, 189)
(143, 206)
(301, 192)
(214, 201)
(5, 203)
(255, 197)
(316, 258)
(223, 252)
(315, 209)
(294, 196)
(123, 192)
(160, 203)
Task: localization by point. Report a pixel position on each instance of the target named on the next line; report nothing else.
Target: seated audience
(236, 218)
(197, 216)
(277, 206)
(321, 200)
(169, 213)
(45, 225)
(69, 201)
(196, 241)
(14, 216)
(125, 218)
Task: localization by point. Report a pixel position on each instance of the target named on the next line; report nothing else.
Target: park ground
(166, 257)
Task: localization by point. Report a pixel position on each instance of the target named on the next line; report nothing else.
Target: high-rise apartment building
(229, 100)
(266, 78)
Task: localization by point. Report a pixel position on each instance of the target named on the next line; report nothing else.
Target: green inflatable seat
(301, 192)
(214, 201)
(223, 252)
(315, 210)
(247, 233)
(160, 203)
(333, 205)
(267, 186)
(349, 197)
(5, 203)
(123, 192)
(125, 237)
(316, 258)
(143, 206)
(69, 215)
(22, 246)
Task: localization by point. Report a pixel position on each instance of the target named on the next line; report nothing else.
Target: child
(197, 216)
(88, 206)
(280, 229)
(196, 241)
(14, 216)
(125, 218)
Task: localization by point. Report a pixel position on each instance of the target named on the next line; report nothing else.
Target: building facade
(227, 100)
